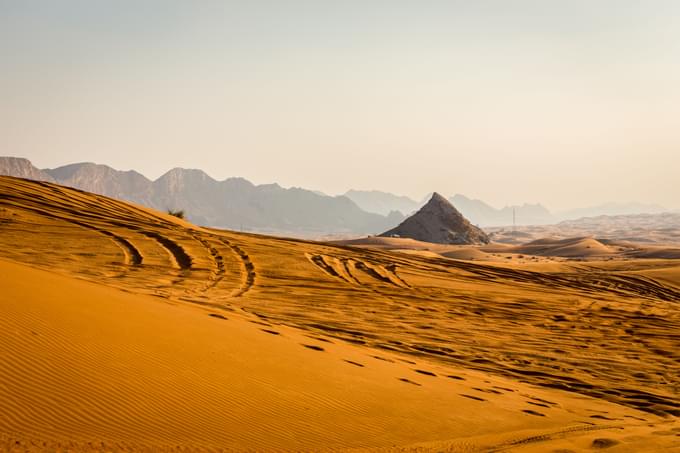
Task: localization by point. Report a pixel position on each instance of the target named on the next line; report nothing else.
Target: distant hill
(124, 185)
(484, 215)
(439, 222)
(661, 228)
(382, 202)
(234, 203)
(477, 211)
(611, 209)
(22, 168)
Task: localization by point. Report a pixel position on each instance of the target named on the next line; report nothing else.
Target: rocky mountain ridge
(234, 203)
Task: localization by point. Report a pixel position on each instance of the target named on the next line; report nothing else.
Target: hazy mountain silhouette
(438, 221)
(382, 202)
(484, 215)
(124, 185)
(611, 209)
(237, 203)
(477, 211)
(22, 168)
(233, 203)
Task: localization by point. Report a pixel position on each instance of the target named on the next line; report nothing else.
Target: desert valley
(125, 328)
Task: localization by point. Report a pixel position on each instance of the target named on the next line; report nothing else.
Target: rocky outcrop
(439, 222)
(22, 168)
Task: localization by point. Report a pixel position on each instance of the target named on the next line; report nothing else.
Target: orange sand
(126, 329)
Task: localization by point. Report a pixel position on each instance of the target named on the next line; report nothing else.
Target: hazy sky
(564, 102)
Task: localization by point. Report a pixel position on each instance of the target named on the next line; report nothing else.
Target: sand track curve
(248, 275)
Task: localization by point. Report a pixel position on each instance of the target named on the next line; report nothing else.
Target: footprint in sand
(313, 346)
(602, 417)
(530, 412)
(408, 381)
(503, 388)
(384, 359)
(453, 376)
(426, 373)
(472, 397)
(354, 363)
(545, 405)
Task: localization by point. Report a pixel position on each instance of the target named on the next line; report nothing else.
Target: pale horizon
(563, 104)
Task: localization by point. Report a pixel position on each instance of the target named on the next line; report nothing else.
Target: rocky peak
(22, 168)
(439, 222)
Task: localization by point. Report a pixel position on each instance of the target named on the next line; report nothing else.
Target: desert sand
(124, 328)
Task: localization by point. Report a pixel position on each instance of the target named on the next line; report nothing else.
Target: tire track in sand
(179, 255)
(132, 255)
(218, 260)
(248, 275)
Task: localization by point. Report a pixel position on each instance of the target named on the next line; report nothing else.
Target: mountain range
(234, 203)
(383, 202)
(485, 215)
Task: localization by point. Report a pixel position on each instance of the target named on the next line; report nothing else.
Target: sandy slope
(571, 247)
(84, 364)
(135, 330)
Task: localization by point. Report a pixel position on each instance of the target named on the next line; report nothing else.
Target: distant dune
(570, 248)
(661, 229)
(126, 329)
(657, 252)
(407, 245)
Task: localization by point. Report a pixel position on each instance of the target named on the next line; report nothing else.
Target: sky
(568, 103)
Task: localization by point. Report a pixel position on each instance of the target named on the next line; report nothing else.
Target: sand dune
(84, 364)
(426, 249)
(569, 248)
(124, 328)
(656, 252)
(575, 248)
(651, 229)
